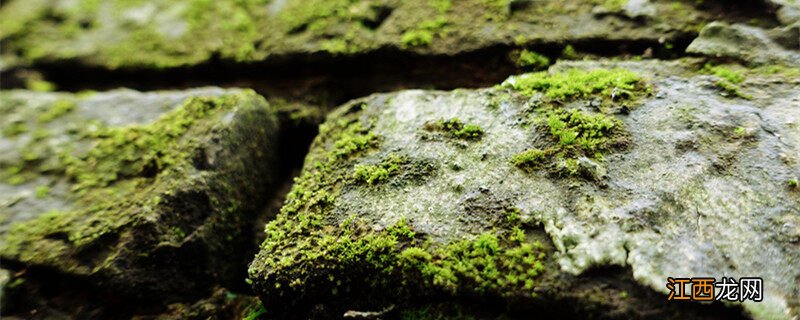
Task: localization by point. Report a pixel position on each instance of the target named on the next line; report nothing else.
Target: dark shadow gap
(329, 80)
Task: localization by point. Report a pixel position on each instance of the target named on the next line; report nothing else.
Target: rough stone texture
(412, 204)
(787, 11)
(163, 34)
(145, 195)
(702, 188)
(753, 45)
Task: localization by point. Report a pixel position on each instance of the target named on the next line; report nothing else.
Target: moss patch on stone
(145, 34)
(123, 160)
(789, 72)
(14, 129)
(729, 79)
(487, 264)
(42, 192)
(379, 172)
(575, 134)
(611, 5)
(150, 187)
(39, 85)
(588, 133)
(455, 128)
(160, 34)
(306, 252)
(531, 59)
(614, 84)
(57, 109)
(424, 32)
(147, 150)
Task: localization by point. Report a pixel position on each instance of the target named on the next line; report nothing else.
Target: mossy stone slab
(169, 34)
(651, 167)
(145, 195)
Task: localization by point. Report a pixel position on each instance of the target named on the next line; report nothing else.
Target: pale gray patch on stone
(274, 7)
(639, 8)
(171, 21)
(140, 15)
(788, 11)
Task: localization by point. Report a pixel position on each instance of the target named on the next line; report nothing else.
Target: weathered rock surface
(506, 192)
(787, 11)
(164, 34)
(752, 45)
(147, 196)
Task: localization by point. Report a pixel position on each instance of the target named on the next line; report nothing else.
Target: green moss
(195, 34)
(316, 15)
(726, 73)
(589, 133)
(513, 216)
(530, 158)
(567, 166)
(794, 184)
(39, 85)
(455, 128)
(424, 34)
(122, 177)
(573, 134)
(731, 76)
(15, 128)
(189, 32)
(341, 141)
(732, 89)
(614, 84)
(742, 133)
(487, 263)
(42, 192)
(532, 59)
(140, 150)
(57, 109)
(356, 138)
(469, 131)
(304, 248)
(569, 52)
(339, 26)
(417, 37)
(497, 10)
(178, 232)
(789, 72)
(611, 5)
(729, 79)
(349, 43)
(380, 172)
(11, 175)
(255, 312)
